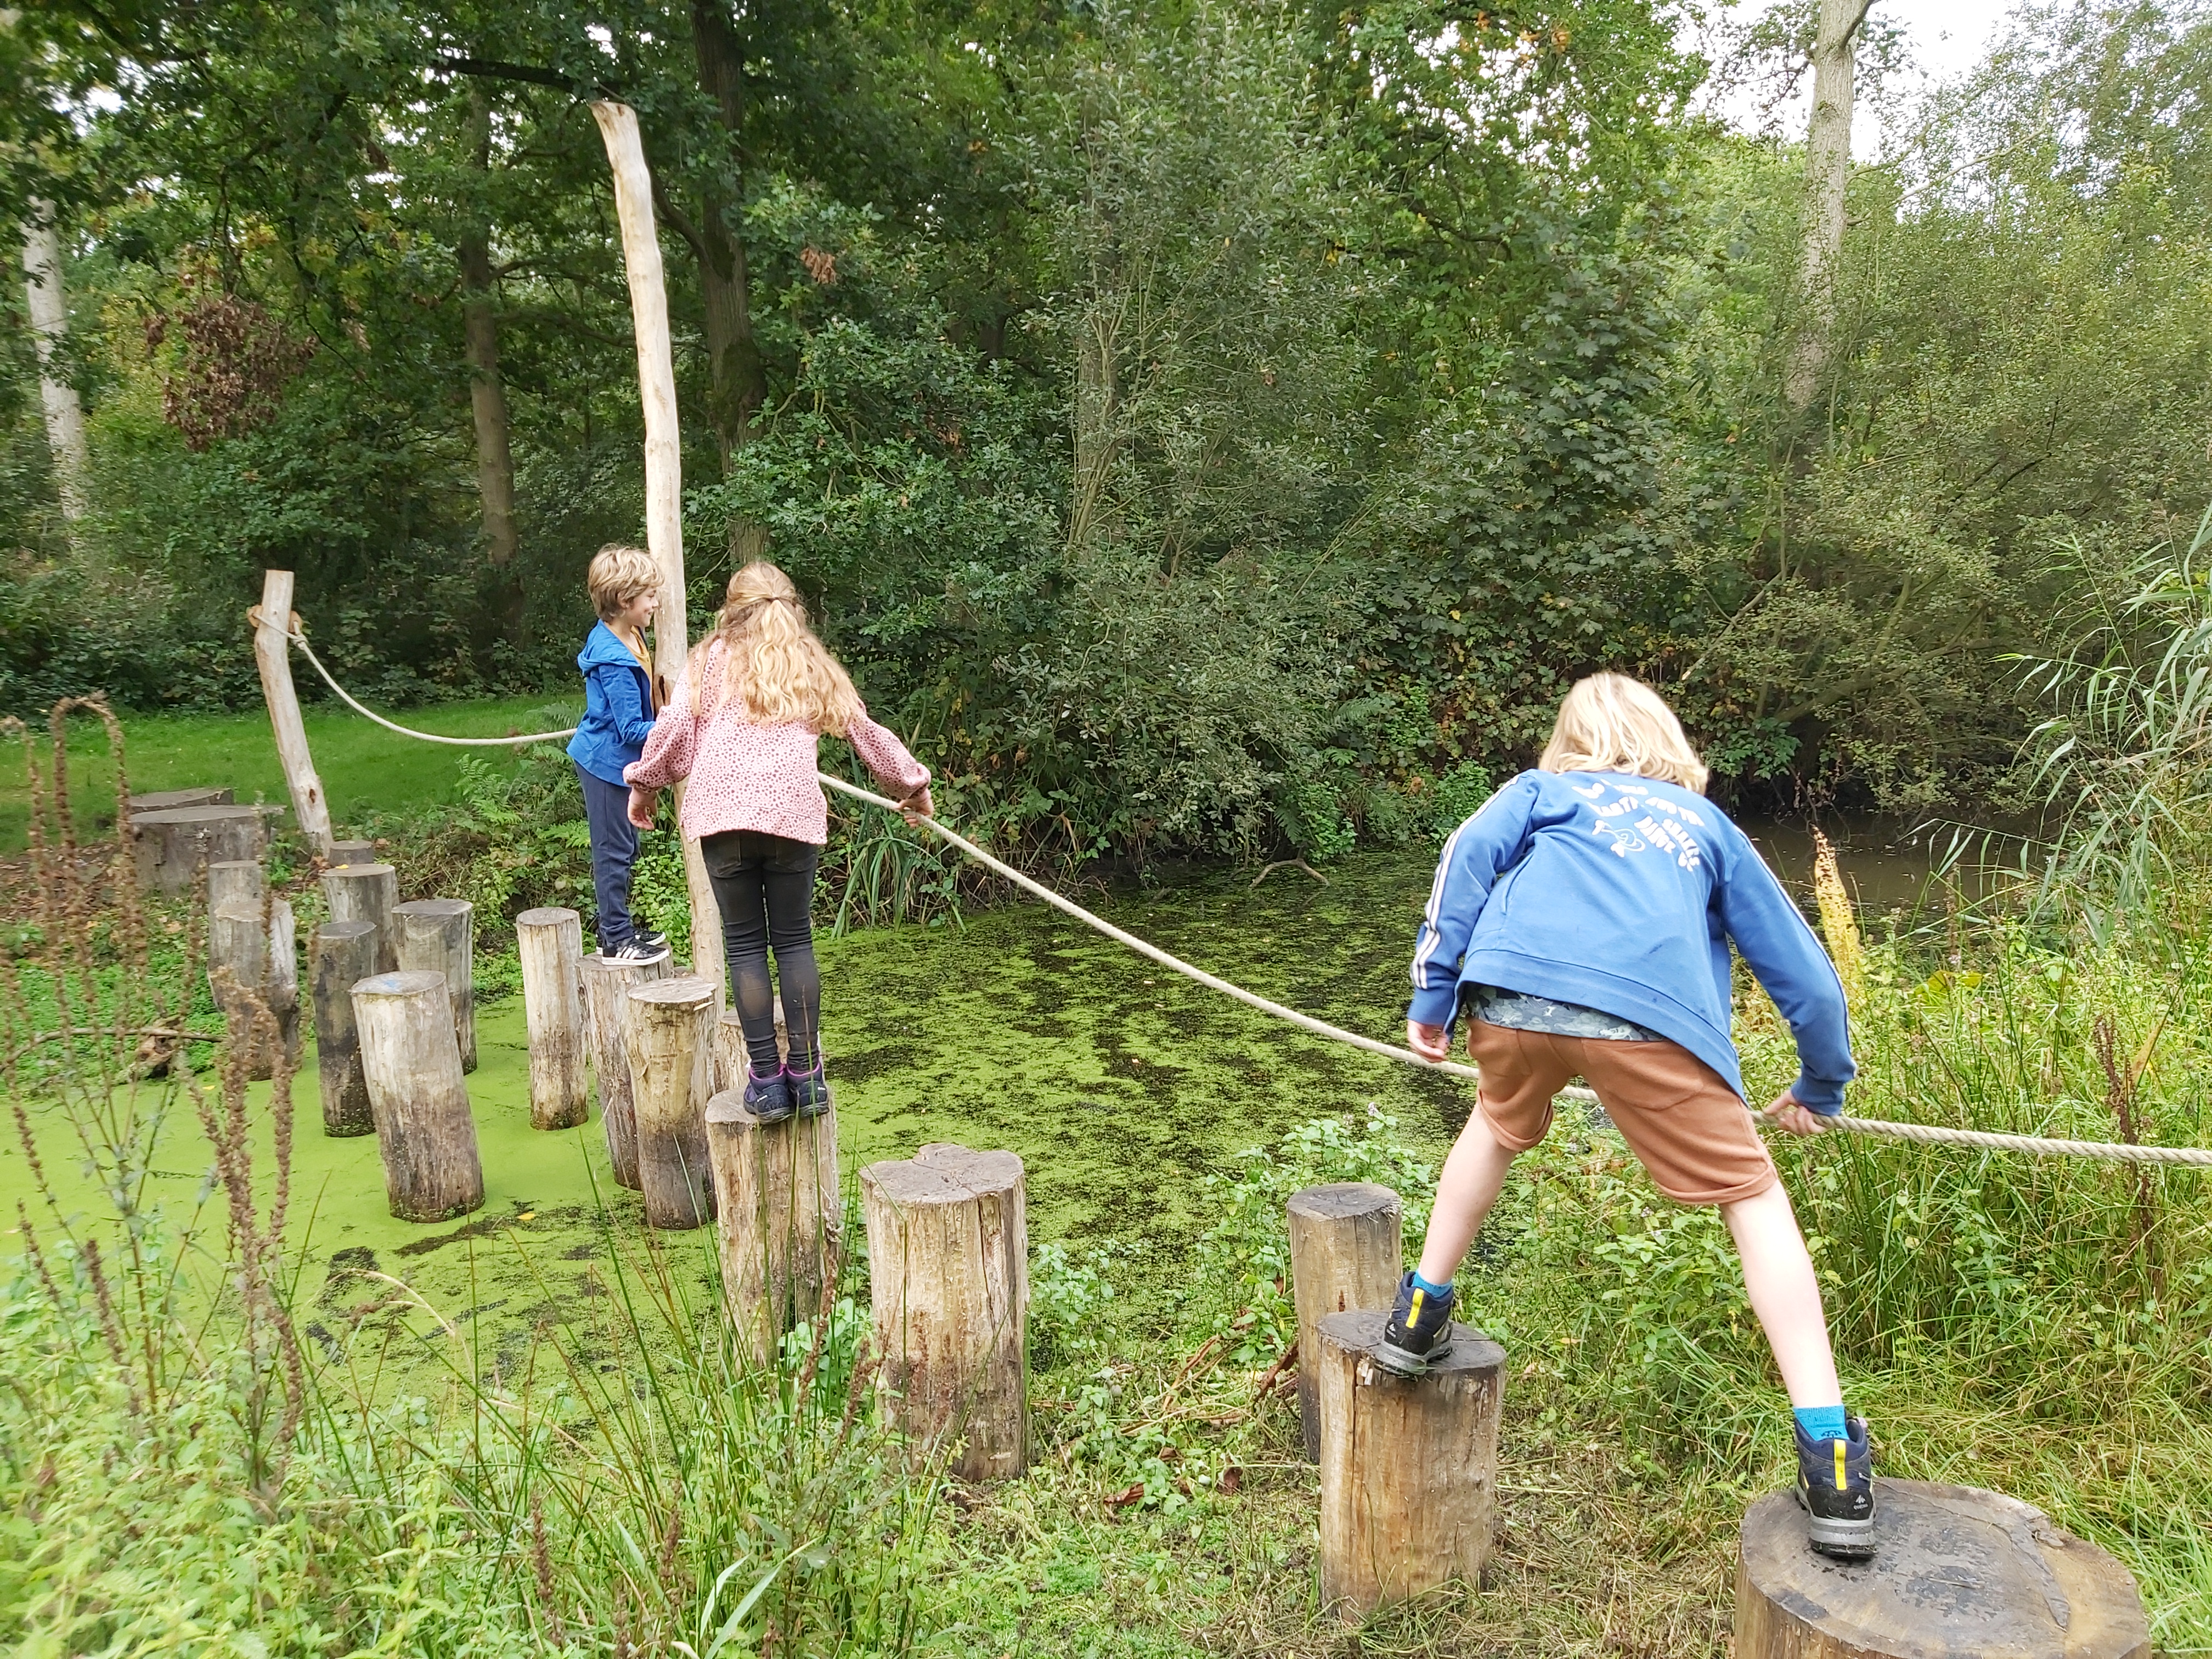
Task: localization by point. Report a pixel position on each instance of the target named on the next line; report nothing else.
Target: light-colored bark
(273, 654)
(170, 845)
(777, 1206)
(369, 893)
(1827, 179)
(431, 1171)
(439, 936)
(340, 957)
(1408, 1465)
(607, 985)
(48, 298)
(480, 335)
(1346, 1254)
(670, 1039)
(549, 942)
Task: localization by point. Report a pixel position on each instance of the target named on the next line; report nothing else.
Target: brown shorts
(1688, 1128)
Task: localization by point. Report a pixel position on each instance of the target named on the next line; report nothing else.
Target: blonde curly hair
(772, 663)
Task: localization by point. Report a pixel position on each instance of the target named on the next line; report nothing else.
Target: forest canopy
(1202, 425)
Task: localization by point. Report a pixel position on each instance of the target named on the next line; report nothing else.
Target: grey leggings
(764, 887)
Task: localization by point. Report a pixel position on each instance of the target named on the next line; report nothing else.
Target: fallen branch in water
(1290, 864)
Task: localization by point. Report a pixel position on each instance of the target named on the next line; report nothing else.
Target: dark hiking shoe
(767, 1095)
(1418, 1333)
(810, 1090)
(1835, 1487)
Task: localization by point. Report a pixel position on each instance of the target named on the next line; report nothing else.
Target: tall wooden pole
(272, 653)
(663, 466)
(49, 308)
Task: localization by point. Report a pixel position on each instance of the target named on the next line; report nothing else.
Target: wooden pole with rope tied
(663, 469)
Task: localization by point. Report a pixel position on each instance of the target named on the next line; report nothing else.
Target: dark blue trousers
(614, 852)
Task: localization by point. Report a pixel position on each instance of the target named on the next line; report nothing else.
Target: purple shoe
(810, 1090)
(767, 1095)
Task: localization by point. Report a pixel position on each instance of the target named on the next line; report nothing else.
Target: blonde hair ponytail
(772, 663)
(1611, 723)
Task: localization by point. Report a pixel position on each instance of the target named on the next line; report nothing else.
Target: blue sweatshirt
(1623, 894)
(618, 706)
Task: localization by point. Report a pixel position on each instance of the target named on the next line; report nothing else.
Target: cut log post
(272, 621)
(164, 800)
(352, 852)
(1408, 1465)
(368, 892)
(670, 1038)
(607, 1009)
(235, 884)
(1957, 1573)
(1346, 1254)
(238, 972)
(776, 1205)
(341, 955)
(949, 1277)
(413, 1066)
(439, 936)
(550, 943)
(169, 846)
(283, 982)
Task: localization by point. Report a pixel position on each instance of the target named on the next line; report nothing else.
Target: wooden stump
(413, 1066)
(1346, 1254)
(340, 955)
(1408, 1465)
(1957, 1573)
(606, 1011)
(167, 800)
(670, 1038)
(550, 943)
(352, 852)
(169, 845)
(283, 982)
(776, 1203)
(235, 884)
(949, 1273)
(368, 892)
(439, 936)
(253, 965)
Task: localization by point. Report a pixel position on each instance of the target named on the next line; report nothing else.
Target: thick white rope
(1927, 1134)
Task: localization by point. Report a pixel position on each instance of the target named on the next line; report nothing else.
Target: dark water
(1892, 866)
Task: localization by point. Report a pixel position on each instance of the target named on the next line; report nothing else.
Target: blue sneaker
(767, 1095)
(1418, 1333)
(1835, 1488)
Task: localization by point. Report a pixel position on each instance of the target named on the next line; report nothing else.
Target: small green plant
(1459, 795)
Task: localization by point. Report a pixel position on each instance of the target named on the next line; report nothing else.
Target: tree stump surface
(352, 852)
(1957, 1573)
(439, 936)
(549, 942)
(432, 1170)
(169, 845)
(1346, 1254)
(368, 892)
(777, 1207)
(670, 1038)
(949, 1281)
(340, 956)
(606, 1012)
(1408, 1465)
(168, 801)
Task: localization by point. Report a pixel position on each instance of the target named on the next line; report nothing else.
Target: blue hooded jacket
(618, 706)
(1623, 894)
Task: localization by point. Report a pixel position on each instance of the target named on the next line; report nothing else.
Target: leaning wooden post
(606, 1008)
(272, 622)
(413, 1065)
(439, 936)
(776, 1205)
(369, 893)
(550, 944)
(670, 1038)
(664, 464)
(1346, 1252)
(949, 1277)
(1960, 1573)
(340, 955)
(1408, 1465)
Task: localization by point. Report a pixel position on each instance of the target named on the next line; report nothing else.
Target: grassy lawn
(363, 767)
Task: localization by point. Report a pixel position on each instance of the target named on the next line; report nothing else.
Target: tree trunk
(49, 305)
(1827, 175)
(776, 1205)
(487, 392)
(550, 945)
(1097, 413)
(431, 1171)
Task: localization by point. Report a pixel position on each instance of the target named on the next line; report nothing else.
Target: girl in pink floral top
(742, 726)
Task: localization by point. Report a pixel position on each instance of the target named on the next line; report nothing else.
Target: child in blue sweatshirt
(620, 703)
(1582, 921)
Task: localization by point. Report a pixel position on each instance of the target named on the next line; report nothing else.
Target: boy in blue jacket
(1581, 921)
(620, 702)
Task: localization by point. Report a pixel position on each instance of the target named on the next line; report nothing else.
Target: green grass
(364, 768)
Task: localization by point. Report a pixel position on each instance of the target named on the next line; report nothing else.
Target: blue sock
(1822, 1422)
(1421, 1284)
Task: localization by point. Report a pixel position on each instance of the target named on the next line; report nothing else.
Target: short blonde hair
(1611, 723)
(618, 576)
